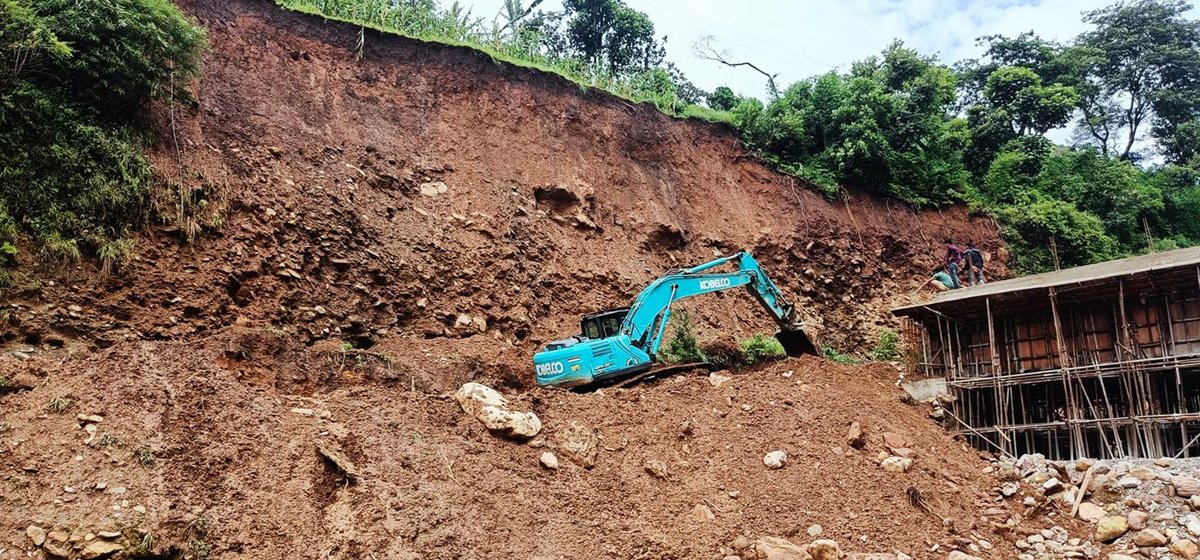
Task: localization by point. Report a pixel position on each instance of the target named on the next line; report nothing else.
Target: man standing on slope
(974, 259)
(953, 258)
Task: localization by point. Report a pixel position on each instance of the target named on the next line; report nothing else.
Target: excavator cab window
(603, 324)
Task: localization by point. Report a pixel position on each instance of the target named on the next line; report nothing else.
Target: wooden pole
(1064, 363)
(1001, 405)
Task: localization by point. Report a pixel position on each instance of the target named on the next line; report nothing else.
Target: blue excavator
(624, 341)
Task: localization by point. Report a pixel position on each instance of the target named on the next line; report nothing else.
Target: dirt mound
(363, 466)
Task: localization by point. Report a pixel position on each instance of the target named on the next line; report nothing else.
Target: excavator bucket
(796, 342)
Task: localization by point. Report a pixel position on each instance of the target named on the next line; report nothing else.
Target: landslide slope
(444, 214)
(541, 202)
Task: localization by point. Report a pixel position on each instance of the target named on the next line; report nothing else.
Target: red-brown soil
(557, 202)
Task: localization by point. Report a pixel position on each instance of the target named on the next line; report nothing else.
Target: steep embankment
(445, 214)
(389, 196)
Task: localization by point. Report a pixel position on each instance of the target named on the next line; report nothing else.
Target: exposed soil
(394, 226)
(231, 449)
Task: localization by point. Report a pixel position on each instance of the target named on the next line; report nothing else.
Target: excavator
(624, 341)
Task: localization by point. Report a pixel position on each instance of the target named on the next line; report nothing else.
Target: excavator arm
(651, 310)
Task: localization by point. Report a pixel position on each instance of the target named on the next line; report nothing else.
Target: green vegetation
(74, 79)
(683, 347)
(888, 346)
(144, 455)
(107, 440)
(758, 349)
(59, 405)
(838, 357)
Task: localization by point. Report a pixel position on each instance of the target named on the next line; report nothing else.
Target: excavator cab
(603, 324)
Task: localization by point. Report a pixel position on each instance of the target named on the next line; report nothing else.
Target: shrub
(887, 347)
(724, 354)
(838, 357)
(759, 348)
(682, 348)
(75, 77)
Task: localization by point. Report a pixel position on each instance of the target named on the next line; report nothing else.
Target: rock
(815, 531)
(1010, 488)
(741, 543)
(1185, 548)
(433, 189)
(57, 549)
(1119, 556)
(775, 548)
(99, 549)
(490, 408)
(578, 442)
(1110, 528)
(717, 380)
(824, 549)
(1137, 519)
(1163, 462)
(549, 461)
(905, 452)
(1193, 528)
(1143, 474)
(855, 437)
(894, 440)
(1185, 486)
(1090, 512)
(896, 464)
(36, 534)
(108, 534)
(656, 468)
(775, 459)
(1150, 538)
(1129, 482)
(90, 418)
(140, 509)
(1052, 486)
(702, 514)
(960, 555)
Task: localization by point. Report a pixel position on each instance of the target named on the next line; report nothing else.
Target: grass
(457, 29)
(838, 357)
(5, 427)
(144, 456)
(5, 382)
(59, 405)
(106, 440)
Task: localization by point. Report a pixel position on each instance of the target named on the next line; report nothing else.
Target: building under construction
(1097, 361)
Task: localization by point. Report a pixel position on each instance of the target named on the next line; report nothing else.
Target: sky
(801, 38)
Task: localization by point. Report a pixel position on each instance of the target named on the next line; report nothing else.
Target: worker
(953, 260)
(941, 281)
(973, 258)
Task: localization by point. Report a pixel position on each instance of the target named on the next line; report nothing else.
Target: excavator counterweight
(625, 341)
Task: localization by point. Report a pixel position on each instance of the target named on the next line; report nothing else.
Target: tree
(706, 48)
(1138, 52)
(608, 33)
(1033, 108)
(722, 99)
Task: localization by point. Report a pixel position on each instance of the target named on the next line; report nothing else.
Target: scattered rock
(1185, 548)
(656, 468)
(717, 380)
(578, 442)
(433, 189)
(775, 460)
(1150, 538)
(701, 513)
(897, 464)
(36, 534)
(490, 408)
(824, 549)
(1111, 528)
(549, 461)
(1185, 486)
(1091, 513)
(894, 440)
(855, 437)
(960, 555)
(815, 531)
(99, 549)
(1052, 486)
(775, 548)
(333, 456)
(1137, 519)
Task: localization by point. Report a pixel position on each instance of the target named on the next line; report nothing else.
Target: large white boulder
(491, 408)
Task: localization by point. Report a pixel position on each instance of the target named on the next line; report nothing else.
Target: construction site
(386, 347)
(1096, 361)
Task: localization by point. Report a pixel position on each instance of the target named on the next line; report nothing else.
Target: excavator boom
(582, 360)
